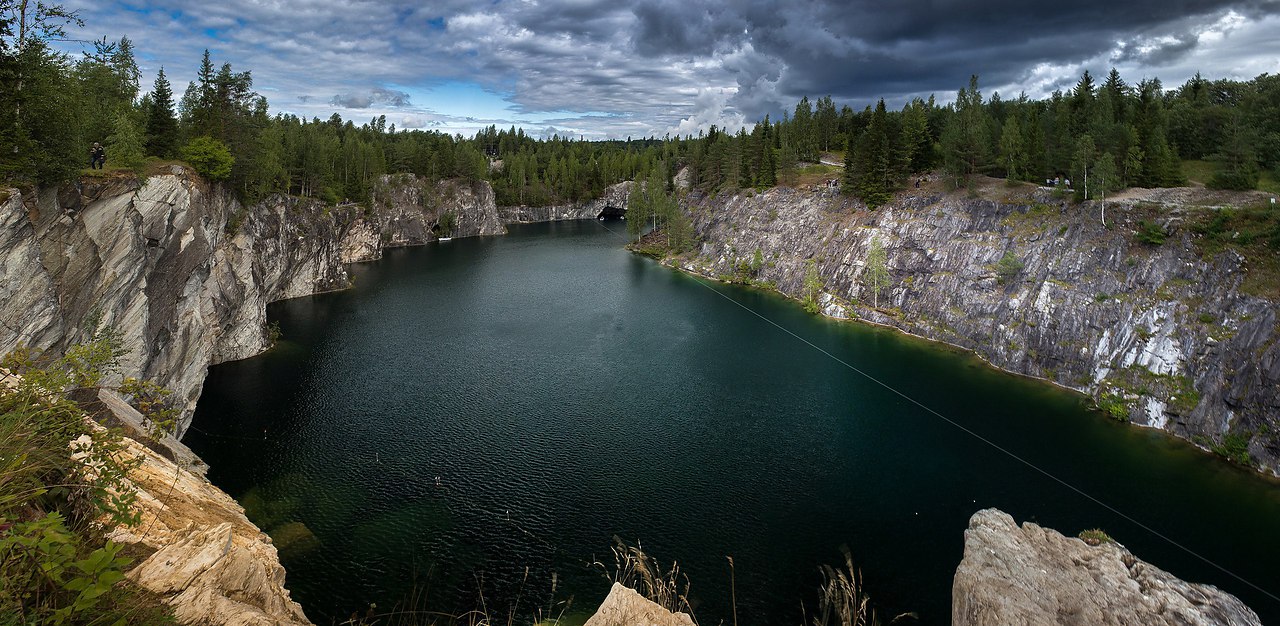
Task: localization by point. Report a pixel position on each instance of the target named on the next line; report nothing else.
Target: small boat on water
(445, 239)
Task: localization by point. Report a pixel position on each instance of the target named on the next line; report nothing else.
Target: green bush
(1235, 447)
(54, 566)
(1114, 406)
(1151, 233)
(210, 157)
(1008, 268)
(1095, 537)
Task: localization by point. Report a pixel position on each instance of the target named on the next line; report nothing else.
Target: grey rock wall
(614, 200)
(1090, 309)
(184, 273)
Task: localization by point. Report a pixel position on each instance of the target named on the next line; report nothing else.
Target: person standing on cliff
(97, 156)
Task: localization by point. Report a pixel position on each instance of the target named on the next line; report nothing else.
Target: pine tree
(162, 126)
(916, 142)
(125, 144)
(876, 173)
(964, 140)
(1237, 163)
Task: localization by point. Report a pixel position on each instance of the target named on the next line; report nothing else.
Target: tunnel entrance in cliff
(613, 213)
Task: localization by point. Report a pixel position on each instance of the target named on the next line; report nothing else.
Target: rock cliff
(1034, 576)
(612, 203)
(1163, 335)
(184, 272)
(203, 556)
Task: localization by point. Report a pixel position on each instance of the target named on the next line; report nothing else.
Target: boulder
(1035, 576)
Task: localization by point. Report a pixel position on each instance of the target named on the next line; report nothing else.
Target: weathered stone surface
(1090, 308)
(205, 559)
(406, 211)
(211, 564)
(1035, 576)
(184, 273)
(624, 607)
(614, 200)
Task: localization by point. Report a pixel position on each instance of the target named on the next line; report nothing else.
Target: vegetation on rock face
(60, 480)
(812, 287)
(1095, 537)
(1008, 268)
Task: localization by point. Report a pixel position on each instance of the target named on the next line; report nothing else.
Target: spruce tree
(162, 126)
(125, 144)
(964, 140)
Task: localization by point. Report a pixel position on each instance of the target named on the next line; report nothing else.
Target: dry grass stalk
(668, 588)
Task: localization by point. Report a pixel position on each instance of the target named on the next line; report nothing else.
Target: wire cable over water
(979, 437)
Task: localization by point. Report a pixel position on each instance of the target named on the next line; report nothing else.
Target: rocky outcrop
(183, 272)
(1163, 335)
(206, 559)
(625, 607)
(407, 212)
(1034, 576)
(612, 203)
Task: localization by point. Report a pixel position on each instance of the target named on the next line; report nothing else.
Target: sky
(613, 69)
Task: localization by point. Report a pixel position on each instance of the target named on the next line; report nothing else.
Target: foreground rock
(1033, 576)
(625, 607)
(205, 559)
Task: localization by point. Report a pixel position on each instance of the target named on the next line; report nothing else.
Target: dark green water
(566, 391)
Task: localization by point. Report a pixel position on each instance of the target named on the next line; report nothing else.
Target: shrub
(1095, 537)
(1008, 268)
(1114, 406)
(1151, 233)
(210, 157)
(54, 566)
(1235, 447)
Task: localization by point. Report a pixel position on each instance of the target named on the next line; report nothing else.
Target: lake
(476, 420)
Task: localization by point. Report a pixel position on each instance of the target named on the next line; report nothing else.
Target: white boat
(445, 239)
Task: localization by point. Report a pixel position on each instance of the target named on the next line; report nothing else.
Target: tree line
(1102, 136)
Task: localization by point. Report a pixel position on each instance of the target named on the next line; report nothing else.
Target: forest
(1105, 135)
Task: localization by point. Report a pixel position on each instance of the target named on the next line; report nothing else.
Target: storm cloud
(376, 96)
(603, 68)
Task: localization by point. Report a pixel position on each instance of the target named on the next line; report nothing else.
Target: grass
(1268, 183)
(1199, 171)
(667, 587)
(842, 601)
(1095, 537)
(814, 174)
(1202, 172)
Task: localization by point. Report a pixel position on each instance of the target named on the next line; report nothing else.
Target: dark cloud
(373, 97)
(600, 67)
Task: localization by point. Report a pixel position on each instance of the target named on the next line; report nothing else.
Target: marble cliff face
(1163, 334)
